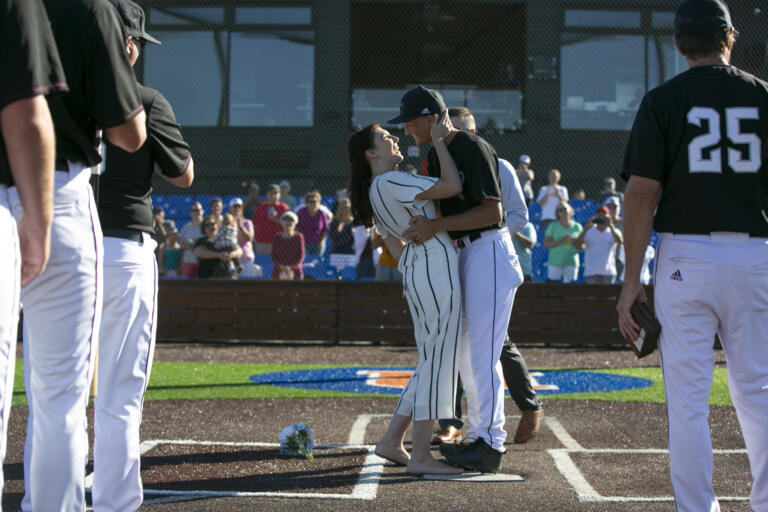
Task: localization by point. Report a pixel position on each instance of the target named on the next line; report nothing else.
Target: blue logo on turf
(392, 380)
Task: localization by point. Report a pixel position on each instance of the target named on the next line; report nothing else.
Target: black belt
(62, 164)
(472, 237)
(126, 234)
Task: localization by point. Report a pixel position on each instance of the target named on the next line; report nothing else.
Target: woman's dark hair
(360, 175)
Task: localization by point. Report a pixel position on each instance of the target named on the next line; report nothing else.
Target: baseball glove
(650, 329)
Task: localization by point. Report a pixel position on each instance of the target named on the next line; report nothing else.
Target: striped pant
(431, 286)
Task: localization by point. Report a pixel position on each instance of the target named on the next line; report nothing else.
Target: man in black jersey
(127, 336)
(31, 70)
(62, 307)
(474, 219)
(697, 158)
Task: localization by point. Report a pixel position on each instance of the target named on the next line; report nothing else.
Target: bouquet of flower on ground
(297, 440)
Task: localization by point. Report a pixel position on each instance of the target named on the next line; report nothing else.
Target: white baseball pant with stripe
(126, 348)
(62, 312)
(10, 272)
(490, 275)
(431, 286)
(707, 284)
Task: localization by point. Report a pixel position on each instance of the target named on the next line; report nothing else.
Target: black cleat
(477, 456)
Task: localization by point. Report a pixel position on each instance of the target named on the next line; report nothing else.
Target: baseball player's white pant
(431, 286)
(62, 312)
(126, 347)
(490, 275)
(707, 284)
(10, 265)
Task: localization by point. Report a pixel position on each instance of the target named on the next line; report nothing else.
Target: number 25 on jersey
(736, 160)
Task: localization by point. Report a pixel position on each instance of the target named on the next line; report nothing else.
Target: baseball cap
(695, 16)
(133, 19)
(612, 200)
(274, 187)
(235, 201)
(525, 159)
(603, 209)
(418, 102)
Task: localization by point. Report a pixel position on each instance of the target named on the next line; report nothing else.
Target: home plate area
(176, 470)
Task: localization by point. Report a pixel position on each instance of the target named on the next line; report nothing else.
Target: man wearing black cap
(31, 71)
(697, 158)
(127, 336)
(474, 219)
(62, 307)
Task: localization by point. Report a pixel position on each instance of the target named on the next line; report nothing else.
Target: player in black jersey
(697, 157)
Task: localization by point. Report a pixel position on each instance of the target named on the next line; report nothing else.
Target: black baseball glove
(650, 329)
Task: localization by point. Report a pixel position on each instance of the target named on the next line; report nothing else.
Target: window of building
(473, 53)
(609, 60)
(227, 66)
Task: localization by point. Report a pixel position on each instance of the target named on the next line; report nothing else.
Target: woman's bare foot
(432, 467)
(397, 455)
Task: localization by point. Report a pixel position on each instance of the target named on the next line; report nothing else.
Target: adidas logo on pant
(676, 276)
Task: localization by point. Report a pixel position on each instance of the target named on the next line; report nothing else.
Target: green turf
(198, 381)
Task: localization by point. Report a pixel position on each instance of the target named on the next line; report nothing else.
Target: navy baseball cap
(696, 16)
(132, 16)
(418, 102)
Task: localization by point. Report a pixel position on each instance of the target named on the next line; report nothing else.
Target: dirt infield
(588, 456)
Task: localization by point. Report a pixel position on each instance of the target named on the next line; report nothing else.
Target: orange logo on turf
(399, 378)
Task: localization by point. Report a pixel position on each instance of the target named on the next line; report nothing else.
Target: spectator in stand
(215, 262)
(190, 233)
(599, 240)
(579, 194)
(327, 211)
(158, 227)
(252, 201)
(366, 255)
(217, 207)
(386, 268)
(525, 177)
(524, 240)
(170, 256)
(614, 209)
(645, 270)
(285, 194)
(313, 223)
(342, 237)
(549, 197)
(288, 250)
(563, 261)
(244, 236)
(266, 220)
(609, 190)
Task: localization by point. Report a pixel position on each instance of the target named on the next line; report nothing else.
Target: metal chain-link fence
(267, 93)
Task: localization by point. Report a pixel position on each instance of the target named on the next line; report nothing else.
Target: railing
(343, 311)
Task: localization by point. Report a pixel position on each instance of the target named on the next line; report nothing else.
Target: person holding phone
(600, 240)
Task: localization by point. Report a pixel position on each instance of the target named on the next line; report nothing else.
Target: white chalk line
(584, 490)
(365, 488)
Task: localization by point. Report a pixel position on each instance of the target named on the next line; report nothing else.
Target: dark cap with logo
(418, 102)
(696, 16)
(132, 16)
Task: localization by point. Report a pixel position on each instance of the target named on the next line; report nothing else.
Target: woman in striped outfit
(383, 195)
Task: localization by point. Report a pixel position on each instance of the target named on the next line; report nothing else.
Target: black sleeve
(169, 149)
(29, 60)
(480, 166)
(113, 96)
(646, 150)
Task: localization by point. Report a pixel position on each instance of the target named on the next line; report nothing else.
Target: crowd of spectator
(282, 236)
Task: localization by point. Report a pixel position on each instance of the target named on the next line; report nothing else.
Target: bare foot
(392, 454)
(432, 467)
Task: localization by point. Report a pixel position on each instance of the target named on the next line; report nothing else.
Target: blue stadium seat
(314, 267)
(539, 263)
(159, 200)
(534, 213)
(348, 274)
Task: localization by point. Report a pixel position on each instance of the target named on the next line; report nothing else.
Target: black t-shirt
(478, 167)
(213, 267)
(704, 136)
(29, 62)
(125, 188)
(103, 93)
